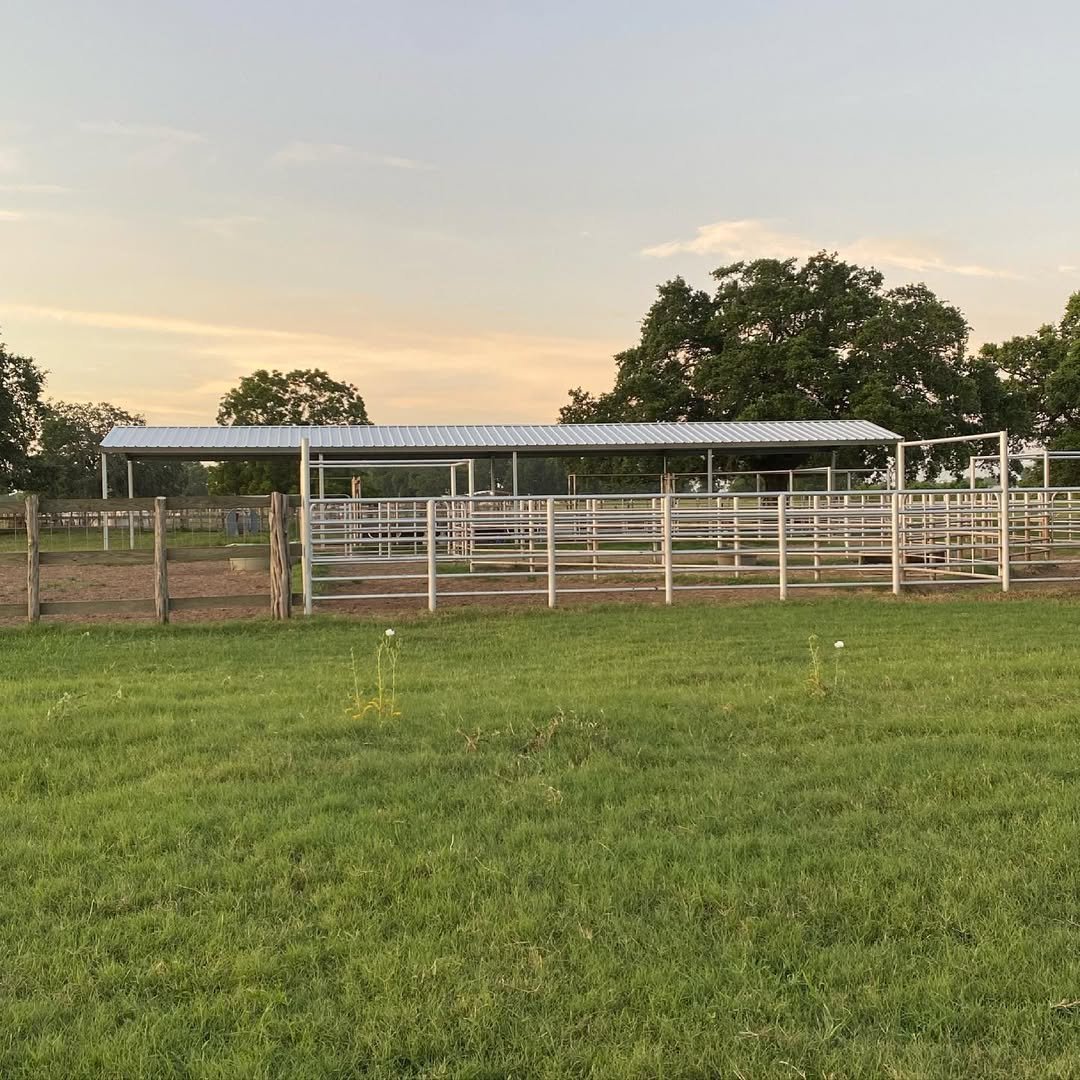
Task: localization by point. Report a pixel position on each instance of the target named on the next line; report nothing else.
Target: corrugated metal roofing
(480, 439)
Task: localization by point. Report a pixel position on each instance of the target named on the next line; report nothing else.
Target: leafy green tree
(780, 340)
(67, 461)
(302, 396)
(21, 382)
(1045, 366)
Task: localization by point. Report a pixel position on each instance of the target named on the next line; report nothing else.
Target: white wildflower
(838, 644)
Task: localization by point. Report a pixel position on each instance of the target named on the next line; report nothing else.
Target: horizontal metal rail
(361, 549)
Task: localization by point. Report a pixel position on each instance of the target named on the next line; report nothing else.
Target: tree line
(772, 339)
(824, 339)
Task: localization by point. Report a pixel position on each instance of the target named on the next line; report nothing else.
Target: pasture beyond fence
(355, 552)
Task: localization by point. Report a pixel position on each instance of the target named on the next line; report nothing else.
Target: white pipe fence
(454, 548)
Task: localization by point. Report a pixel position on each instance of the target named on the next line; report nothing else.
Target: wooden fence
(279, 551)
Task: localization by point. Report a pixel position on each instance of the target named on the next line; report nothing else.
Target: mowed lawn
(623, 842)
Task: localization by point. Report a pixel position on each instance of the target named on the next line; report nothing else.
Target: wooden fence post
(33, 560)
(161, 563)
(280, 563)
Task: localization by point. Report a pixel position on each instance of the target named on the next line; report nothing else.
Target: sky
(465, 208)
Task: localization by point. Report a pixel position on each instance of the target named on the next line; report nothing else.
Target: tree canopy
(67, 458)
(302, 396)
(822, 339)
(21, 383)
(1045, 369)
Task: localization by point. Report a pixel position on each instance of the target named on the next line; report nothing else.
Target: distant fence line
(462, 548)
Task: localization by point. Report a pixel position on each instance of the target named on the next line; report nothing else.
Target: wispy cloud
(115, 320)
(150, 144)
(156, 132)
(11, 215)
(35, 189)
(227, 227)
(1067, 268)
(757, 239)
(318, 153)
(405, 374)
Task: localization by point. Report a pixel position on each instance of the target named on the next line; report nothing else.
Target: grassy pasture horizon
(615, 842)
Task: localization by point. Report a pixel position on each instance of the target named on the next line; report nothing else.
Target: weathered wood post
(280, 563)
(161, 562)
(33, 560)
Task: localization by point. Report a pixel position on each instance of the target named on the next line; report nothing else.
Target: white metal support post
(709, 472)
(305, 522)
(514, 471)
(1006, 568)
(551, 550)
(131, 495)
(781, 542)
(897, 554)
(432, 562)
(669, 557)
(104, 495)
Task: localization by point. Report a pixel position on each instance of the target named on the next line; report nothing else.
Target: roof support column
(514, 471)
(709, 472)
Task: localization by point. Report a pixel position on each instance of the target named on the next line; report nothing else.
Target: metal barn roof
(477, 440)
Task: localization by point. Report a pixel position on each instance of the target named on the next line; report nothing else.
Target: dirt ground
(90, 582)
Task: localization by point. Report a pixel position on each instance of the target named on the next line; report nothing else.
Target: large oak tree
(822, 339)
(302, 396)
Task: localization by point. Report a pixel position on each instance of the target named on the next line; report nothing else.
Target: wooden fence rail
(279, 551)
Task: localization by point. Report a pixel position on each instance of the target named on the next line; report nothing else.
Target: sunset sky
(465, 207)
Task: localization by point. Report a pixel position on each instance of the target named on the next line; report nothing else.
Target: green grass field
(623, 842)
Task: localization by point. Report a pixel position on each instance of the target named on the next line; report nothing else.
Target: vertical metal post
(453, 481)
(322, 478)
(104, 495)
(594, 546)
(669, 557)
(161, 561)
(781, 542)
(306, 531)
(432, 562)
(472, 477)
(709, 471)
(1046, 468)
(971, 472)
(551, 550)
(1006, 568)
(894, 530)
(901, 467)
(131, 495)
(514, 471)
